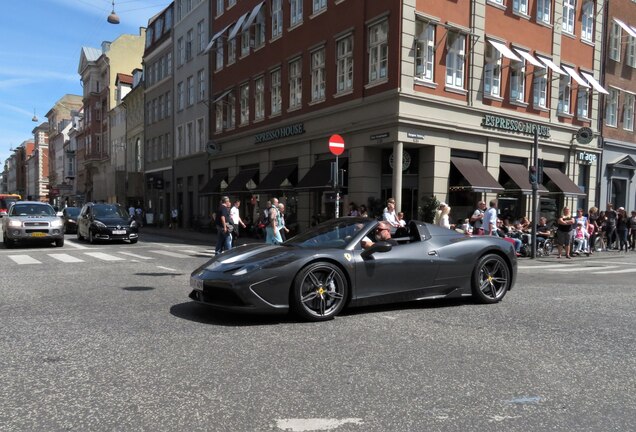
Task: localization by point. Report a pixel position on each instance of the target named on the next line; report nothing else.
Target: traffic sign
(336, 144)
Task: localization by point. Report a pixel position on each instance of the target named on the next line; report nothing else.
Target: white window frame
(277, 18)
(189, 138)
(180, 96)
(540, 88)
(614, 51)
(378, 52)
(259, 98)
(628, 112)
(189, 44)
(518, 81)
(190, 90)
(344, 64)
(492, 71)
(276, 92)
(220, 7)
(219, 54)
(230, 111)
(455, 59)
(611, 109)
(544, 11)
(587, 21)
(219, 117)
(231, 51)
(180, 51)
(569, 16)
(582, 103)
(201, 39)
(259, 29)
(425, 50)
(295, 12)
(180, 141)
(245, 43)
(200, 134)
(244, 92)
(318, 75)
(630, 52)
(201, 84)
(565, 94)
(520, 7)
(295, 83)
(318, 5)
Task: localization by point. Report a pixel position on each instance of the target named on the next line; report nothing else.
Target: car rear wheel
(7, 243)
(59, 242)
(319, 292)
(491, 279)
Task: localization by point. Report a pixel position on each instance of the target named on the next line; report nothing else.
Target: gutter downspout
(601, 111)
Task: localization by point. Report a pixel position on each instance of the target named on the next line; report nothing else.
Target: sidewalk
(599, 255)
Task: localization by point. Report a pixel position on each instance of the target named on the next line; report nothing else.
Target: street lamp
(113, 18)
(34, 118)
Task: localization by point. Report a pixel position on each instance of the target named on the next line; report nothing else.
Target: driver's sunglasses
(382, 229)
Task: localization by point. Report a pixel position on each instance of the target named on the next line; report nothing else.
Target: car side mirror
(59, 214)
(377, 247)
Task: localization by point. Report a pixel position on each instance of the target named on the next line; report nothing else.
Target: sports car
(319, 272)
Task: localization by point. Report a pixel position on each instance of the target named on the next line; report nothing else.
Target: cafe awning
(239, 183)
(274, 180)
(213, 185)
(562, 182)
(475, 176)
(319, 175)
(519, 176)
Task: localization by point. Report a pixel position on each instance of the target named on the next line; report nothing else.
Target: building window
(587, 21)
(231, 51)
(168, 105)
(517, 81)
(276, 92)
(615, 42)
(180, 142)
(245, 42)
(378, 52)
(259, 98)
(630, 52)
(188, 44)
(425, 50)
(544, 11)
(162, 108)
(295, 12)
(190, 90)
(219, 117)
(520, 6)
(245, 103)
(277, 18)
(295, 84)
(455, 43)
(499, 2)
(220, 7)
(219, 53)
(569, 9)
(201, 36)
(583, 103)
(180, 96)
(259, 29)
(611, 116)
(231, 104)
(230, 3)
(492, 71)
(540, 88)
(189, 138)
(318, 75)
(168, 70)
(564, 95)
(344, 64)
(201, 84)
(200, 135)
(318, 5)
(628, 112)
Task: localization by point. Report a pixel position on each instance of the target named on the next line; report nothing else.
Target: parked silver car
(30, 221)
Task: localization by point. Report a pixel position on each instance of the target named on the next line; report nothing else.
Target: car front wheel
(491, 279)
(319, 292)
(59, 242)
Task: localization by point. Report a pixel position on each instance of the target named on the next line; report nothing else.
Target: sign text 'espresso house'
(281, 132)
(512, 125)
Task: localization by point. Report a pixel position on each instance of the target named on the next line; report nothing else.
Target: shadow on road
(416, 304)
(196, 312)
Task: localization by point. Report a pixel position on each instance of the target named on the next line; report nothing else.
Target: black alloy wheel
(319, 292)
(491, 279)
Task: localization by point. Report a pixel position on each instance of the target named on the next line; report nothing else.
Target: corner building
(456, 88)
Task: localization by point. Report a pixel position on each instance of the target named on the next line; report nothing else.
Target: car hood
(113, 221)
(256, 254)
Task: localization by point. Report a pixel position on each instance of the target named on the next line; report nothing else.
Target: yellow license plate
(38, 234)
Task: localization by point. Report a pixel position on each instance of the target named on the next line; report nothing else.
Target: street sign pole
(336, 147)
(337, 186)
(535, 192)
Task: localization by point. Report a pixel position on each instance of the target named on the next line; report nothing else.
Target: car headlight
(72, 221)
(15, 224)
(57, 223)
(99, 224)
(245, 270)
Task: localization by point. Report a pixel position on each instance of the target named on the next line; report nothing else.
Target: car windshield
(72, 211)
(5, 203)
(109, 211)
(331, 234)
(32, 210)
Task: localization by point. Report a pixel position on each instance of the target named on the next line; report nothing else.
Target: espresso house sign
(278, 133)
(512, 125)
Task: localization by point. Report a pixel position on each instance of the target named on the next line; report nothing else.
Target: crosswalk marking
(104, 256)
(170, 254)
(75, 245)
(629, 270)
(193, 252)
(584, 269)
(547, 267)
(65, 258)
(136, 256)
(24, 259)
(166, 268)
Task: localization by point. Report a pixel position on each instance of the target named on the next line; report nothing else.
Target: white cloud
(14, 108)
(38, 74)
(12, 83)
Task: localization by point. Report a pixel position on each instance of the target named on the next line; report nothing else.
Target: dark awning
(519, 176)
(276, 177)
(213, 185)
(476, 176)
(239, 183)
(562, 182)
(319, 175)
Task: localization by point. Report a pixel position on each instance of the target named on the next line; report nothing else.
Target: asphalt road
(104, 338)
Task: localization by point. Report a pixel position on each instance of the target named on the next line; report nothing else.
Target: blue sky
(40, 42)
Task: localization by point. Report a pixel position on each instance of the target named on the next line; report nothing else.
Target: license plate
(38, 234)
(119, 232)
(196, 284)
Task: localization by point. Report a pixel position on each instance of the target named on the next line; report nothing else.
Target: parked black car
(103, 221)
(70, 215)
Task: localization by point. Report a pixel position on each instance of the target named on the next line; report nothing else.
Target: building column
(398, 149)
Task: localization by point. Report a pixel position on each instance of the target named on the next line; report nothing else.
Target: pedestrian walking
(235, 217)
(272, 233)
(564, 232)
(489, 219)
(174, 215)
(282, 228)
(610, 225)
(621, 228)
(223, 226)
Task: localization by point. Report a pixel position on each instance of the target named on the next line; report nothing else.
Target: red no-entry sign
(336, 144)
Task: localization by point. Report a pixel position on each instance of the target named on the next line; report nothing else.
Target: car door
(403, 273)
(83, 221)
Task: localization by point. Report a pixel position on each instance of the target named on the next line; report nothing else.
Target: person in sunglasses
(382, 232)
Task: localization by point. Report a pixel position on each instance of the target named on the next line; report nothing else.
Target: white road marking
(167, 268)
(543, 267)
(629, 270)
(66, 258)
(136, 256)
(103, 256)
(193, 252)
(170, 254)
(75, 245)
(24, 259)
(314, 424)
(584, 269)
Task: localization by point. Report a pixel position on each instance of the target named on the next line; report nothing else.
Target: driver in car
(382, 233)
